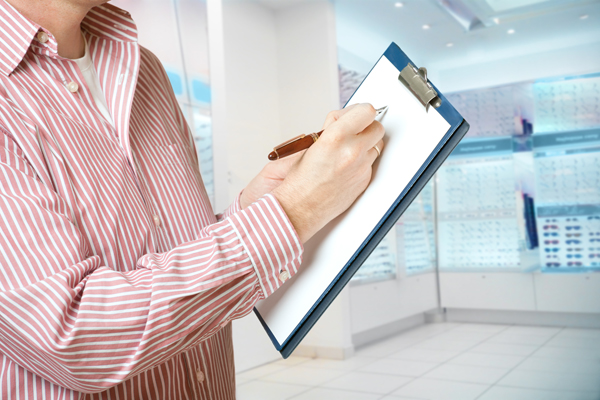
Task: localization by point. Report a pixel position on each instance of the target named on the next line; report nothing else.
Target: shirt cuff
(235, 207)
(270, 240)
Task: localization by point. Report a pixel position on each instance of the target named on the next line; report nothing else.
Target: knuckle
(351, 153)
(369, 108)
(378, 127)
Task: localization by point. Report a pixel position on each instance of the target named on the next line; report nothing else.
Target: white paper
(411, 135)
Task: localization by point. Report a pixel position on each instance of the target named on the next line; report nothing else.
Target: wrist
(300, 213)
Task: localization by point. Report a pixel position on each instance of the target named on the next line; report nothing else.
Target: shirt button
(156, 219)
(199, 375)
(42, 36)
(284, 276)
(72, 87)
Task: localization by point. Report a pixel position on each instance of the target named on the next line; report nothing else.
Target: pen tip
(381, 110)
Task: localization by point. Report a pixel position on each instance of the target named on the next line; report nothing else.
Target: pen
(302, 142)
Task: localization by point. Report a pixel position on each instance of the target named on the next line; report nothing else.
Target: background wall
(280, 74)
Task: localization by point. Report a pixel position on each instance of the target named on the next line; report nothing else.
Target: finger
(356, 119)
(335, 115)
(371, 135)
(283, 165)
(373, 154)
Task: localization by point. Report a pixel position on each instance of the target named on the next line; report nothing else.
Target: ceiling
(366, 27)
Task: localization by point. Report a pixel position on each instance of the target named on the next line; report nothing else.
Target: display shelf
(567, 167)
(477, 207)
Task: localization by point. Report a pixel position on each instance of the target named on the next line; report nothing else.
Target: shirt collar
(18, 34)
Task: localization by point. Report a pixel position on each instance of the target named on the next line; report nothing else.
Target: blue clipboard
(458, 128)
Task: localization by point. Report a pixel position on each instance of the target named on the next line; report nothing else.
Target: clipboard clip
(415, 80)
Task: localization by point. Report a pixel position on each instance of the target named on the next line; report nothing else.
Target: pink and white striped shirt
(117, 280)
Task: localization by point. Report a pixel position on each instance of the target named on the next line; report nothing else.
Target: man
(117, 281)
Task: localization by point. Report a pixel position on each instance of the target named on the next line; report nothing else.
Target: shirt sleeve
(236, 206)
(74, 320)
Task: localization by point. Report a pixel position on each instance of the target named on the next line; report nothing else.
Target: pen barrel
(295, 145)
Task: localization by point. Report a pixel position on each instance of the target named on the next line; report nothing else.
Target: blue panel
(176, 82)
(201, 91)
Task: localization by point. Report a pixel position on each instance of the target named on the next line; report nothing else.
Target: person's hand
(271, 176)
(333, 172)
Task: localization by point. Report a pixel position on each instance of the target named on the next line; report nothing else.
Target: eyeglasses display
(567, 104)
(489, 111)
(506, 197)
(381, 264)
(477, 209)
(415, 236)
(567, 176)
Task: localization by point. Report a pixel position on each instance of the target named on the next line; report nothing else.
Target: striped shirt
(117, 280)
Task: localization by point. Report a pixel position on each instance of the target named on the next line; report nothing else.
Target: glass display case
(415, 235)
(566, 149)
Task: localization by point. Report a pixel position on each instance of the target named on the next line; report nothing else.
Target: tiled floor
(444, 361)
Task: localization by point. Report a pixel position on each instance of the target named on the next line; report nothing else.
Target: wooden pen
(302, 142)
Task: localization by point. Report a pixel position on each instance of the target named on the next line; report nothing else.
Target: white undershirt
(93, 83)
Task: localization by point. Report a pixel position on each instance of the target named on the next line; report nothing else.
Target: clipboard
(424, 129)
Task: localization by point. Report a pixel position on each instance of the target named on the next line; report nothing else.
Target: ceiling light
(399, 4)
(449, 44)
(496, 21)
(584, 16)
(510, 31)
(426, 26)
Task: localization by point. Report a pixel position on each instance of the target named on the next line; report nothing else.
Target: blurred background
(488, 286)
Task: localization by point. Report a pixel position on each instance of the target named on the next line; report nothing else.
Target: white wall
(278, 79)
(376, 305)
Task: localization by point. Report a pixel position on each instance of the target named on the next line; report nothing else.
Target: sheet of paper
(411, 136)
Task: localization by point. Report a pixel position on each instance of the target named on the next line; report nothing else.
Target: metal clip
(416, 81)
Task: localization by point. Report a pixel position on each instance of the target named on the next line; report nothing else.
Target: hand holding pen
(303, 142)
(326, 180)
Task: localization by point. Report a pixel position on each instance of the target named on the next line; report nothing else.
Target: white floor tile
(333, 394)
(368, 382)
(426, 355)
(387, 347)
(517, 338)
(399, 367)
(502, 348)
(547, 331)
(259, 390)
(441, 344)
(301, 375)
(292, 360)
(580, 333)
(467, 373)
(449, 361)
(471, 336)
(487, 360)
(576, 342)
(342, 365)
(441, 390)
(576, 366)
(241, 380)
(401, 398)
(258, 372)
(568, 353)
(494, 328)
(511, 393)
(551, 381)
